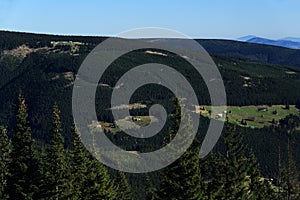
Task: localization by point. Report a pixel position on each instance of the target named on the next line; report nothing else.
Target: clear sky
(195, 18)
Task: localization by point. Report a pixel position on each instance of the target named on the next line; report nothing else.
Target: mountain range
(287, 42)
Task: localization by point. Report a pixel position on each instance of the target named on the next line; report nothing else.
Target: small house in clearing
(218, 116)
(136, 119)
(262, 109)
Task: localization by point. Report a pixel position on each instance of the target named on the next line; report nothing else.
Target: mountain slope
(44, 68)
(253, 52)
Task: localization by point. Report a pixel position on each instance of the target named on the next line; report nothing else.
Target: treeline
(248, 51)
(29, 171)
(10, 40)
(53, 172)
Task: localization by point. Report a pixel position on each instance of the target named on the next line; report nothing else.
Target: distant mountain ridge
(293, 39)
(288, 42)
(246, 38)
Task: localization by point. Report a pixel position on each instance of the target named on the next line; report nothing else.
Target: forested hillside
(42, 69)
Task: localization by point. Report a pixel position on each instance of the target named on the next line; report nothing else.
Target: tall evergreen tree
(43, 187)
(80, 164)
(258, 188)
(289, 180)
(213, 171)
(182, 178)
(58, 175)
(22, 183)
(123, 187)
(5, 159)
(289, 186)
(149, 188)
(100, 185)
(235, 164)
(236, 174)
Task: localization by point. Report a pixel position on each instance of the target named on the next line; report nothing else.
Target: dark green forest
(29, 171)
(42, 156)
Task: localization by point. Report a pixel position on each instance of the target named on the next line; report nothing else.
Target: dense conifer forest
(42, 156)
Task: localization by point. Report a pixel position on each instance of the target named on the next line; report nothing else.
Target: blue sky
(195, 18)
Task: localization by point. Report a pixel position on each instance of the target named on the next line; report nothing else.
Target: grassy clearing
(126, 122)
(254, 116)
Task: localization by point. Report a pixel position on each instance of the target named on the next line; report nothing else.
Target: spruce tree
(100, 185)
(123, 187)
(289, 182)
(213, 172)
(182, 179)
(5, 159)
(235, 165)
(23, 179)
(149, 188)
(43, 186)
(80, 164)
(235, 175)
(258, 188)
(289, 177)
(58, 175)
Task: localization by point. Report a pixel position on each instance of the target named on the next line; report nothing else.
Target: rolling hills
(43, 67)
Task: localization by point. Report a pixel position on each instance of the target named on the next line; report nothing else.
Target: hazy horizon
(198, 19)
(102, 35)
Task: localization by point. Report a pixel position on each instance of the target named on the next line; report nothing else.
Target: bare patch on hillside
(21, 51)
(130, 106)
(290, 72)
(156, 53)
(69, 76)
